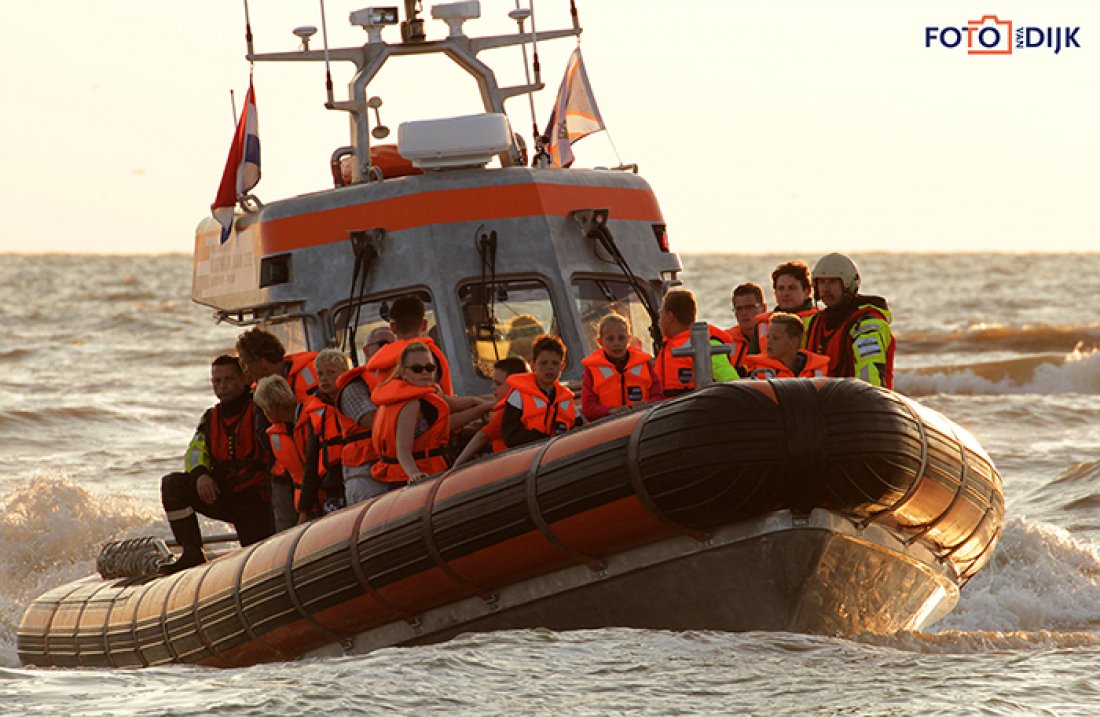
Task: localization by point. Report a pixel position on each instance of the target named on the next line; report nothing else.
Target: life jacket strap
(434, 452)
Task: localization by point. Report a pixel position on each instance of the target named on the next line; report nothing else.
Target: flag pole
(233, 106)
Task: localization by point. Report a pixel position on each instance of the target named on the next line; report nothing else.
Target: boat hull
(817, 574)
(825, 506)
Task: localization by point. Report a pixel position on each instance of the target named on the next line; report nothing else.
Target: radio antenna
(520, 14)
(247, 30)
(324, 39)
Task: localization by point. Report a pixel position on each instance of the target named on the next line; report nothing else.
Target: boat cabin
(498, 251)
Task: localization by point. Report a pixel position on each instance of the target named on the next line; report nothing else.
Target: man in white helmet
(853, 330)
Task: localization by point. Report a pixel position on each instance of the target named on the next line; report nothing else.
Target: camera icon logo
(989, 36)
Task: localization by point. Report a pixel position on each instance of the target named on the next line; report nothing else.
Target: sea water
(104, 373)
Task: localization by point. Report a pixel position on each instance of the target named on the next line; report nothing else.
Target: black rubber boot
(188, 536)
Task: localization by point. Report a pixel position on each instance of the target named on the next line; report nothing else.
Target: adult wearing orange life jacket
(785, 359)
(413, 424)
(357, 421)
(617, 376)
(226, 471)
(539, 406)
(289, 434)
(748, 303)
(793, 295)
(262, 354)
(408, 323)
(492, 435)
(677, 314)
(853, 330)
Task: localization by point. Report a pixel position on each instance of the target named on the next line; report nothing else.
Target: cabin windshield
(503, 318)
(598, 297)
(374, 313)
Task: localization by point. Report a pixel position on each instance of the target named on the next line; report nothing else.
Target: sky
(763, 126)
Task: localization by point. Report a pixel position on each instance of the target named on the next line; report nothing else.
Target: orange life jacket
(381, 365)
(763, 321)
(615, 388)
(237, 455)
(538, 413)
(676, 373)
(429, 449)
(289, 446)
(358, 447)
(494, 429)
(760, 366)
(837, 343)
(325, 420)
(740, 346)
(301, 374)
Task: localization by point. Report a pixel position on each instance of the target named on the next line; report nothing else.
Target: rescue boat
(824, 506)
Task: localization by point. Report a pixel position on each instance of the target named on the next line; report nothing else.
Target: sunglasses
(421, 368)
(380, 343)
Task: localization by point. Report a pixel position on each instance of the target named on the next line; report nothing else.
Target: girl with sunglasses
(415, 419)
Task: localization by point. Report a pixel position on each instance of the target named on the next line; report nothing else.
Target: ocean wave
(51, 415)
(1076, 372)
(1040, 580)
(52, 530)
(995, 337)
(982, 641)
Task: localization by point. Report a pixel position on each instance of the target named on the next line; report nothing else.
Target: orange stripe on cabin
(455, 205)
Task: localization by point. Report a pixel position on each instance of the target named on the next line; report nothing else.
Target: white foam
(52, 530)
(1078, 373)
(1039, 579)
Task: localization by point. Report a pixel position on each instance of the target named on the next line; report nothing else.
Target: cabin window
(366, 316)
(598, 297)
(292, 334)
(503, 318)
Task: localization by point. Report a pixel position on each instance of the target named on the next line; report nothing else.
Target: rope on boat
(131, 558)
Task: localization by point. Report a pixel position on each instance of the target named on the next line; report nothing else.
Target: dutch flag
(242, 167)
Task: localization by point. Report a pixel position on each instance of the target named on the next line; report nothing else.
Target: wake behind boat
(825, 506)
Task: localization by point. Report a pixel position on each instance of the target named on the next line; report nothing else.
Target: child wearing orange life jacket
(538, 405)
(288, 431)
(414, 420)
(617, 376)
(490, 436)
(784, 358)
(322, 484)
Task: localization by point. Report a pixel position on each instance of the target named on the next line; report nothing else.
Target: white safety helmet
(837, 266)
